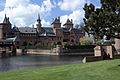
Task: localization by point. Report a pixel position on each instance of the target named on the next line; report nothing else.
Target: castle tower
(38, 24)
(6, 21)
(5, 28)
(56, 23)
(68, 24)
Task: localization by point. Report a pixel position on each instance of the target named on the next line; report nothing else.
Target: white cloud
(15, 3)
(45, 23)
(76, 8)
(24, 13)
(76, 15)
(71, 4)
(47, 6)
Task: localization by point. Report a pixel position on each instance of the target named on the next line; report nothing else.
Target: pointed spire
(39, 20)
(68, 20)
(38, 16)
(5, 19)
(39, 24)
(5, 15)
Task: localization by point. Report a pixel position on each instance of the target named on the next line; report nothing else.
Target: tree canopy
(103, 21)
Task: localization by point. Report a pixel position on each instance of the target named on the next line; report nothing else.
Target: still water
(30, 61)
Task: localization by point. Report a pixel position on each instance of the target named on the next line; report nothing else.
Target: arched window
(59, 43)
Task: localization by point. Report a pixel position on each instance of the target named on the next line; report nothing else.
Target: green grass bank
(102, 70)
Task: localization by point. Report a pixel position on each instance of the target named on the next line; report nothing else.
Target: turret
(57, 30)
(39, 24)
(56, 23)
(68, 24)
(6, 21)
(5, 27)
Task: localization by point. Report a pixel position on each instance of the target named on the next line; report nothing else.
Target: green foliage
(102, 70)
(86, 41)
(104, 20)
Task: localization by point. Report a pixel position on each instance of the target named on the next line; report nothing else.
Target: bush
(80, 47)
(86, 41)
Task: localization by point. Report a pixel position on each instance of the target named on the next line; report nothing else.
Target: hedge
(81, 47)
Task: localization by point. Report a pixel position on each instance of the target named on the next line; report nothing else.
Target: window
(17, 47)
(17, 42)
(52, 39)
(59, 43)
(43, 44)
(57, 38)
(72, 41)
(4, 34)
(60, 38)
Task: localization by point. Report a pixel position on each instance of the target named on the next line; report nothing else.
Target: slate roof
(15, 29)
(11, 34)
(47, 31)
(68, 22)
(27, 30)
(72, 29)
(65, 30)
(76, 30)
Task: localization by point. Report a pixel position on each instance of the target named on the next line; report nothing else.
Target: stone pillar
(117, 45)
(105, 51)
(110, 51)
(97, 51)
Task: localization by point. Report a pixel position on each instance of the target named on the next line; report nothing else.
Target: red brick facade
(42, 37)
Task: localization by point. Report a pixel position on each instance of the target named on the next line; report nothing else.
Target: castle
(41, 37)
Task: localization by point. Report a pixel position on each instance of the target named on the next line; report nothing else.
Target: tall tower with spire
(39, 23)
(56, 23)
(5, 28)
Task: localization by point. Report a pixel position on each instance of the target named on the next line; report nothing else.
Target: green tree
(86, 40)
(103, 21)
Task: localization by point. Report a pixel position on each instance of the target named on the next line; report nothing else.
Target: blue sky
(24, 12)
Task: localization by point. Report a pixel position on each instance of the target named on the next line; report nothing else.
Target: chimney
(58, 17)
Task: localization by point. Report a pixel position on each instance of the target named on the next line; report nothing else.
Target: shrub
(80, 47)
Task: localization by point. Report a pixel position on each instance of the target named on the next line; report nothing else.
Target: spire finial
(5, 15)
(38, 15)
(5, 19)
(39, 20)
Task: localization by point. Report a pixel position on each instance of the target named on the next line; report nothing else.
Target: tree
(86, 40)
(103, 21)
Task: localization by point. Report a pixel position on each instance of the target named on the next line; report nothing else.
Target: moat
(33, 61)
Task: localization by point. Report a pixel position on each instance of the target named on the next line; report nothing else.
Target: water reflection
(22, 62)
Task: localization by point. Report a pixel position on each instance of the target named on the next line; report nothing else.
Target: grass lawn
(102, 70)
